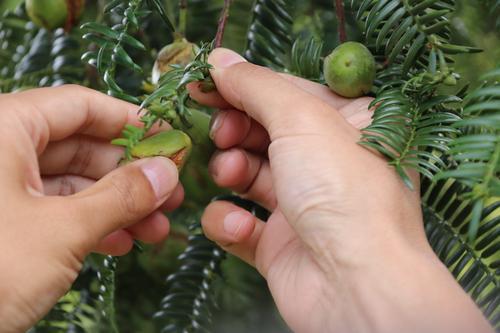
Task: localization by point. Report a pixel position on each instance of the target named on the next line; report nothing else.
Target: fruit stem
(340, 12)
(182, 18)
(222, 24)
(74, 7)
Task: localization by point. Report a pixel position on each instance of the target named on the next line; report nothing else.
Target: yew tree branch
(182, 17)
(222, 24)
(339, 10)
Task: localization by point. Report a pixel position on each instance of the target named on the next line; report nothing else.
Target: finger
(123, 197)
(231, 128)
(318, 90)
(152, 229)
(276, 103)
(212, 98)
(118, 243)
(65, 185)
(175, 200)
(56, 113)
(357, 112)
(84, 155)
(80, 155)
(233, 228)
(215, 99)
(245, 173)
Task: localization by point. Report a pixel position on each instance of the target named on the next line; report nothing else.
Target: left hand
(62, 198)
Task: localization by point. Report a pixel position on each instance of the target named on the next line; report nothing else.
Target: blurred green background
(473, 24)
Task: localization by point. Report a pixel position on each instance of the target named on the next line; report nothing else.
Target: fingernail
(223, 58)
(233, 222)
(162, 175)
(216, 122)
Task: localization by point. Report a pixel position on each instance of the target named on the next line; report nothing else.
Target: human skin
(344, 249)
(62, 197)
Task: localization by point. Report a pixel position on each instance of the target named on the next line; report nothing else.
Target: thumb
(126, 195)
(276, 103)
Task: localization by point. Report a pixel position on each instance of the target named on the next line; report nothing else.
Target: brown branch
(222, 24)
(339, 10)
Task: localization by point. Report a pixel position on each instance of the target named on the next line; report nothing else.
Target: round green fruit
(52, 14)
(350, 70)
(180, 52)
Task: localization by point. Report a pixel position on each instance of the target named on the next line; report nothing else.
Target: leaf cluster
(268, 37)
(170, 99)
(448, 213)
(32, 57)
(475, 153)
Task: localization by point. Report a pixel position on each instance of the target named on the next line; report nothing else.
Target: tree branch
(339, 10)
(182, 17)
(222, 24)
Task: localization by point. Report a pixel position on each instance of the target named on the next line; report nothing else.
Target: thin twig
(222, 24)
(339, 10)
(182, 18)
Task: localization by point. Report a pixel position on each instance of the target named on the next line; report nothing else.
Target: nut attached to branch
(180, 52)
(52, 14)
(350, 70)
(173, 144)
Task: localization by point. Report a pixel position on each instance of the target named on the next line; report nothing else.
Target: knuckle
(82, 157)
(73, 89)
(66, 186)
(250, 72)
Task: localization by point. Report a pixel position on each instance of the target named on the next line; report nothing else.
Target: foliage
(426, 118)
(41, 58)
(306, 59)
(475, 266)
(476, 152)
(269, 41)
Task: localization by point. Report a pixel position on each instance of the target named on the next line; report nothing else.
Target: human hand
(344, 249)
(61, 197)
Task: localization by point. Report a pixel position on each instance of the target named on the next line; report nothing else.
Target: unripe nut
(173, 144)
(52, 14)
(350, 70)
(180, 52)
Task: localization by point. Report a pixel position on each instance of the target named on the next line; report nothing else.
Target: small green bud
(180, 52)
(350, 70)
(173, 144)
(450, 80)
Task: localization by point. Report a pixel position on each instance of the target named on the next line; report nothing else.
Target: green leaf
(158, 7)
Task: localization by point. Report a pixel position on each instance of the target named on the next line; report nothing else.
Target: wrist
(402, 289)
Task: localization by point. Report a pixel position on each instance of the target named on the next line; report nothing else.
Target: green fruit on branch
(180, 52)
(173, 144)
(52, 14)
(350, 70)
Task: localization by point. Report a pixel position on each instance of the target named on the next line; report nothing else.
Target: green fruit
(52, 14)
(173, 144)
(350, 70)
(180, 52)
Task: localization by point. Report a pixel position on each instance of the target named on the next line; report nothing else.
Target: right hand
(344, 249)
